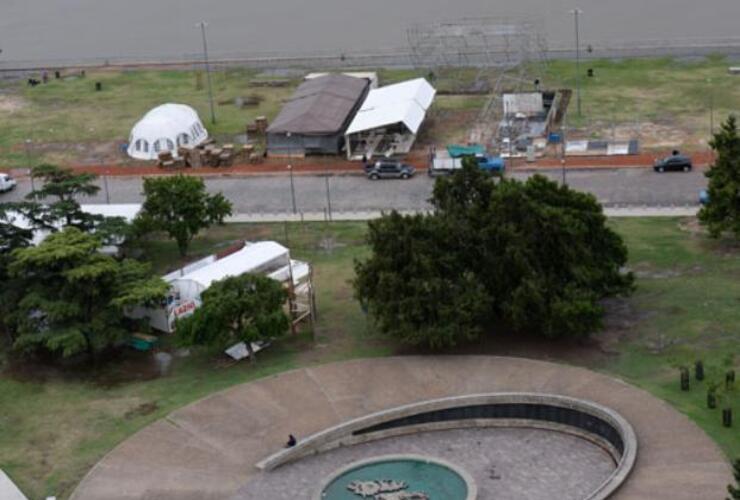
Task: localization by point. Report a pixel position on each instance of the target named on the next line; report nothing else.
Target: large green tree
(722, 212)
(246, 308)
(533, 256)
(57, 198)
(73, 296)
(12, 237)
(55, 204)
(416, 286)
(734, 490)
(181, 207)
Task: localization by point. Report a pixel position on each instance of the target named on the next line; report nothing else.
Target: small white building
(265, 257)
(166, 128)
(389, 119)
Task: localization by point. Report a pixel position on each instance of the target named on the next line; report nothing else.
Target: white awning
(406, 102)
(252, 258)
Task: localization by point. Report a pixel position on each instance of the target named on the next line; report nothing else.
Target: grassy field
(65, 118)
(66, 121)
(686, 308)
(56, 426)
(664, 102)
(661, 100)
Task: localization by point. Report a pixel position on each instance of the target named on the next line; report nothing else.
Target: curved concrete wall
(596, 423)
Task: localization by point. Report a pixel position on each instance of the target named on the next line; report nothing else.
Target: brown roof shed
(321, 106)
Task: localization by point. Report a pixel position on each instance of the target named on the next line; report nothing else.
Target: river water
(46, 30)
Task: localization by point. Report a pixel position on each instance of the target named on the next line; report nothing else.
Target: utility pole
(292, 188)
(28, 162)
(711, 107)
(202, 26)
(565, 143)
(576, 13)
(328, 195)
(107, 192)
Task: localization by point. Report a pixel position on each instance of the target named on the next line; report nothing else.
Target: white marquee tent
(263, 256)
(402, 104)
(165, 128)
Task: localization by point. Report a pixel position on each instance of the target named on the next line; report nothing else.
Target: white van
(7, 183)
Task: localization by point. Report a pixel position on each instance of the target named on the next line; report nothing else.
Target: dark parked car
(390, 170)
(380, 163)
(674, 162)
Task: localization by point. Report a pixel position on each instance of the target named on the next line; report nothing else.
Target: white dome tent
(165, 128)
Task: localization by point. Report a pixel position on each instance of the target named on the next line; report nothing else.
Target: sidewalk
(8, 490)
(631, 211)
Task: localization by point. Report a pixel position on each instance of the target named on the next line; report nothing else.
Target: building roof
(406, 102)
(320, 106)
(250, 258)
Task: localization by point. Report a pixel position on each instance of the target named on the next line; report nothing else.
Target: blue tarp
(458, 151)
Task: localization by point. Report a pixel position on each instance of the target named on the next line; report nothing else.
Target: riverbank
(663, 103)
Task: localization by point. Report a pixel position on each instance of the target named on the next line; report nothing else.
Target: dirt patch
(113, 368)
(650, 134)
(11, 104)
(620, 322)
(445, 126)
(692, 226)
(655, 135)
(141, 410)
(644, 270)
(79, 153)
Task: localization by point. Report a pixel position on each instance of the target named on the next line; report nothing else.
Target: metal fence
(400, 57)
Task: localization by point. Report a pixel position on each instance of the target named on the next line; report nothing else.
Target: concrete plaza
(208, 450)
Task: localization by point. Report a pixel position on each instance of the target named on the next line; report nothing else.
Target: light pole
(28, 162)
(564, 138)
(328, 195)
(576, 13)
(202, 26)
(711, 107)
(292, 188)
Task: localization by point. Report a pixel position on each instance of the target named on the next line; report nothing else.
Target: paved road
(272, 194)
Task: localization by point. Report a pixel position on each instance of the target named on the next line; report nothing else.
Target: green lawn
(66, 121)
(688, 305)
(70, 112)
(664, 92)
(55, 427)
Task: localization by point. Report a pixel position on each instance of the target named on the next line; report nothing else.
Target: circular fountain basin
(428, 477)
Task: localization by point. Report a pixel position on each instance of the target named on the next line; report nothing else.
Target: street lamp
(328, 195)
(202, 26)
(711, 107)
(564, 140)
(28, 162)
(576, 13)
(292, 188)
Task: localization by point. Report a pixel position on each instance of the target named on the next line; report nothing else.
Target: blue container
(554, 138)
